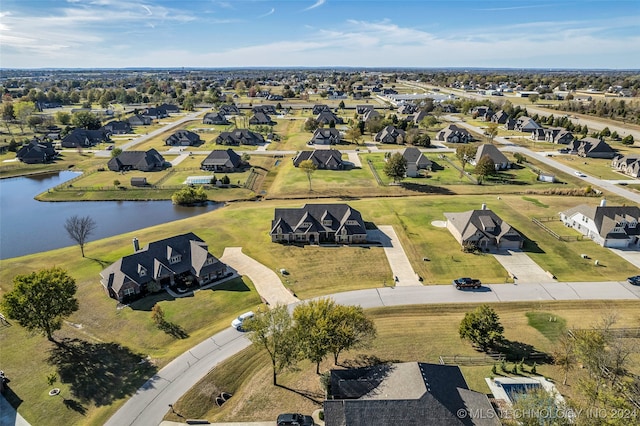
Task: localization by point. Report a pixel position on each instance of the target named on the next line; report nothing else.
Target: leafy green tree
(605, 133)
(313, 328)
(485, 167)
(79, 229)
(417, 138)
(350, 329)
(40, 300)
(63, 118)
(189, 195)
(23, 110)
(482, 327)
(354, 134)
(341, 105)
(311, 124)
(628, 140)
(8, 114)
(273, 330)
(465, 153)
(492, 130)
(308, 167)
(428, 122)
(86, 120)
(396, 167)
(115, 152)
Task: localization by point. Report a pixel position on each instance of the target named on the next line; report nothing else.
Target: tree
(534, 98)
(628, 140)
(482, 327)
(308, 167)
(605, 133)
(115, 152)
(23, 111)
(354, 134)
(273, 330)
(116, 183)
(8, 115)
(492, 131)
(564, 355)
(313, 328)
(311, 124)
(485, 167)
(157, 315)
(415, 137)
(86, 120)
(341, 105)
(538, 407)
(350, 329)
(189, 195)
(40, 300)
(465, 153)
(396, 167)
(79, 229)
(428, 122)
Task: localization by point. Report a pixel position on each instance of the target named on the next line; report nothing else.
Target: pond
(29, 226)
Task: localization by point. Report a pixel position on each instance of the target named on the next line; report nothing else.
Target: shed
(138, 181)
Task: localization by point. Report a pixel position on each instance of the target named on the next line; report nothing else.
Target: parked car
(635, 280)
(580, 174)
(238, 322)
(294, 419)
(467, 283)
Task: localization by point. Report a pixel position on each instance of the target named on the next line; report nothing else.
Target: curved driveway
(150, 403)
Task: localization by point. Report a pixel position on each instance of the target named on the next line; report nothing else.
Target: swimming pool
(515, 390)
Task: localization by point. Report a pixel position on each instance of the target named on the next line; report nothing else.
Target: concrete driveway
(520, 266)
(265, 280)
(397, 258)
(354, 158)
(631, 256)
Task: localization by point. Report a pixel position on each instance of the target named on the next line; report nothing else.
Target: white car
(580, 174)
(237, 323)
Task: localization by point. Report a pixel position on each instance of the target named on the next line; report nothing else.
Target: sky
(320, 33)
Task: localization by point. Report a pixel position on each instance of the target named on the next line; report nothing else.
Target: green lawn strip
(405, 333)
(597, 167)
(550, 325)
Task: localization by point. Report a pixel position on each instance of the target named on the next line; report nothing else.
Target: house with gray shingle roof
(526, 124)
(454, 134)
(145, 161)
(390, 134)
(317, 109)
(139, 120)
(558, 135)
(416, 161)
(327, 117)
(260, 118)
(627, 164)
(240, 137)
(407, 394)
(318, 223)
(230, 109)
(223, 161)
(179, 259)
(117, 128)
(500, 117)
(265, 109)
(183, 138)
(83, 138)
(483, 229)
(609, 226)
(325, 136)
(591, 148)
(328, 159)
(499, 159)
(214, 118)
(36, 152)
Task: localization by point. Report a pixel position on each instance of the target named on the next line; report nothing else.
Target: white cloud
(271, 12)
(318, 3)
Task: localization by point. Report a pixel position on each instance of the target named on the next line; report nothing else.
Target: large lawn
(405, 334)
(313, 272)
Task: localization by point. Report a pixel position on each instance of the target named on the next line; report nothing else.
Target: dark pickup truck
(467, 283)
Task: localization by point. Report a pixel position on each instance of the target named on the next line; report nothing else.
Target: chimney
(136, 245)
(484, 206)
(603, 202)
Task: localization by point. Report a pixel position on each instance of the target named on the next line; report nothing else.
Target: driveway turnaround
(266, 281)
(631, 256)
(400, 267)
(521, 267)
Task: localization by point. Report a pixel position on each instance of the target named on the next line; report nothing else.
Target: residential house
(223, 161)
(609, 226)
(215, 118)
(499, 159)
(390, 135)
(138, 181)
(183, 138)
(538, 134)
(144, 161)
(483, 229)
(265, 109)
(591, 148)
(139, 120)
(37, 152)
(558, 135)
(454, 134)
(417, 117)
(407, 394)
(482, 112)
(117, 128)
(240, 137)
(500, 117)
(230, 109)
(170, 108)
(361, 109)
(627, 164)
(83, 138)
(327, 117)
(526, 125)
(260, 118)
(53, 133)
(318, 223)
(317, 109)
(510, 124)
(329, 159)
(449, 109)
(416, 161)
(407, 109)
(371, 114)
(156, 113)
(181, 259)
(325, 136)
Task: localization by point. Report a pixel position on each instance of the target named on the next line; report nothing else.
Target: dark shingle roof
(140, 160)
(228, 158)
(322, 158)
(312, 214)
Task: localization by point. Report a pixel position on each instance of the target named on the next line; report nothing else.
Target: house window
(175, 259)
(326, 222)
(209, 261)
(129, 291)
(306, 224)
(142, 272)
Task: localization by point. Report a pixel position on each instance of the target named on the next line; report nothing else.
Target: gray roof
(494, 153)
(414, 155)
(606, 218)
(408, 394)
(310, 218)
(484, 221)
(322, 158)
(154, 261)
(390, 131)
(240, 137)
(326, 116)
(140, 160)
(84, 138)
(228, 158)
(260, 118)
(214, 118)
(182, 137)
